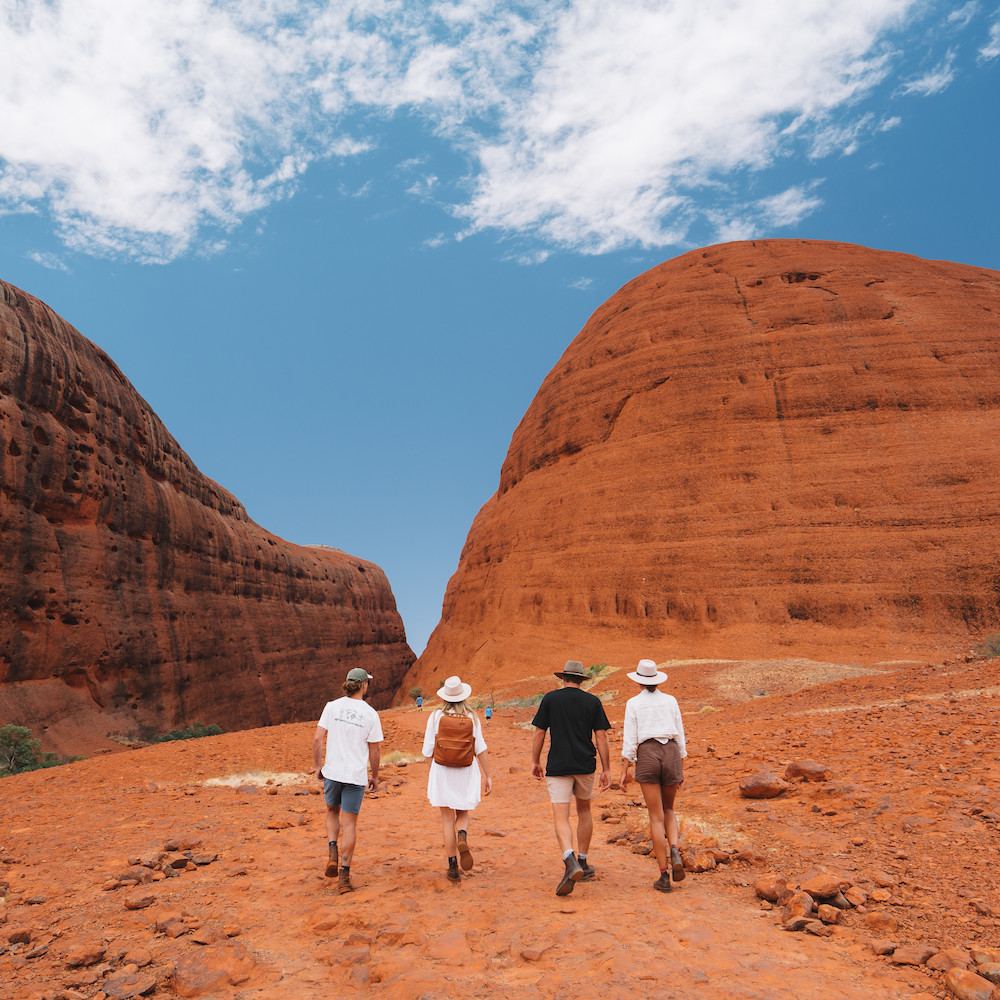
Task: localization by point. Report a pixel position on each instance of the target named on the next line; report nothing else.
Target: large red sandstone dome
(135, 592)
(768, 448)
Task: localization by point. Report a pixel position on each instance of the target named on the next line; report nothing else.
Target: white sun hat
(646, 673)
(454, 690)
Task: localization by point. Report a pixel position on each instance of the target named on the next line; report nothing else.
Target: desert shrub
(520, 702)
(194, 732)
(20, 752)
(990, 646)
(596, 669)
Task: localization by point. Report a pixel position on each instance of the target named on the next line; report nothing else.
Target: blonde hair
(457, 708)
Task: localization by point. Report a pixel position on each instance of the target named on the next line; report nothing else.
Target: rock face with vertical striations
(758, 449)
(134, 591)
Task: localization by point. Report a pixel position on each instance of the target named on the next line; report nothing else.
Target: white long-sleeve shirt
(652, 715)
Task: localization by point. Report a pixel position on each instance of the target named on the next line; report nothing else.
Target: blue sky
(338, 247)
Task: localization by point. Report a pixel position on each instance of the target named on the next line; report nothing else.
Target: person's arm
(629, 738)
(484, 766)
(601, 739)
(537, 742)
(374, 757)
(319, 739)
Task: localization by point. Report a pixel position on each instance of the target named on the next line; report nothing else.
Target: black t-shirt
(571, 715)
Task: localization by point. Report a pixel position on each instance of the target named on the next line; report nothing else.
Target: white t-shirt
(350, 724)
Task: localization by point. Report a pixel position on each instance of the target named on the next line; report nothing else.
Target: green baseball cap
(358, 674)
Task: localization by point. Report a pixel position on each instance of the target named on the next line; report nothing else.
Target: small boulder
(880, 946)
(808, 770)
(125, 985)
(967, 985)
(982, 956)
(912, 954)
(818, 928)
(83, 954)
(856, 896)
(828, 914)
(762, 785)
(769, 887)
(990, 971)
(950, 958)
(822, 885)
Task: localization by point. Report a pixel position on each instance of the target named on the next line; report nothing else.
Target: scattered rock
(84, 954)
(912, 954)
(967, 985)
(209, 934)
(139, 900)
(808, 770)
(982, 956)
(990, 971)
(123, 985)
(881, 922)
(762, 785)
(818, 928)
(769, 887)
(821, 885)
(828, 914)
(856, 896)
(210, 968)
(19, 935)
(881, 947)
(534, 954)
(950, 958)
(883, 879)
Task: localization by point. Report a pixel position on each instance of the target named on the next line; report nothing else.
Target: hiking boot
(465, 855)
(453, 872)
(663, 882)
(677, 864)
(331, 864)
(589, 871)
(572, 874)
(344, 881)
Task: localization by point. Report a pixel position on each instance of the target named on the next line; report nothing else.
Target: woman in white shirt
(654, 741)
(456, 790)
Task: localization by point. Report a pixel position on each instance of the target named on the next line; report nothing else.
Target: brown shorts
(659, 763)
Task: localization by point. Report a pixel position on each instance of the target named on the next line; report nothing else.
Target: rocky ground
(190, 868)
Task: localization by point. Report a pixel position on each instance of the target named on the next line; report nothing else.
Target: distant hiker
(454, 742)
(420, 702)
(489, 713)
(571, 716)
(654, 740)
(353, 732)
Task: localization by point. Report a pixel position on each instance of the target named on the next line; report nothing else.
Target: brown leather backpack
(455, 743)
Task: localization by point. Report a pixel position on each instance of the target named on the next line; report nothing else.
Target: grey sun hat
(358, 674)
(647, 673)
(454, 690)
(573, 671)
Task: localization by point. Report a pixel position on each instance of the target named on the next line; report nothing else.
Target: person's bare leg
(461, 831)
(667, 794)
(584, 826)
(564, 832)
(448, 832)
(332, 822)
(654, 805)
(348, 837)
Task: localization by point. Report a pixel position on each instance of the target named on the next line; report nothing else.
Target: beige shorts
(563, 787)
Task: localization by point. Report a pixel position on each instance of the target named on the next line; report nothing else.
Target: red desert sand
(196, 868)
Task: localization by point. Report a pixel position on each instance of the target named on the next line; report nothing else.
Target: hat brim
(570, 677)
(466, 691)
(658, 678)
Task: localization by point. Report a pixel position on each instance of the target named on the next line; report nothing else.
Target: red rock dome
(136, 593)
(768, 448)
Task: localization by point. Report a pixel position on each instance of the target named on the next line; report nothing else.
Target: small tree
(416, 692)
(19, 751)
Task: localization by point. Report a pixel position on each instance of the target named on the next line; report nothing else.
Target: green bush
(596, 669)
(194, 732)
(20, 752)
(990, 646)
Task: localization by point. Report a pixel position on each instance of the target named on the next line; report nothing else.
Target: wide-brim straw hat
(646, 673)
(454, 690)
(573, 671)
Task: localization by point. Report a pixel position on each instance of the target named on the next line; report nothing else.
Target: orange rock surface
(771, 448)
(134, 591)
(906, 825)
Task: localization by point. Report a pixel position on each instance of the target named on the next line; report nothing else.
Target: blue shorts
(344, 795)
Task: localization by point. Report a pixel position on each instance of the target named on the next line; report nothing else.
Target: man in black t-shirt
(574, 719)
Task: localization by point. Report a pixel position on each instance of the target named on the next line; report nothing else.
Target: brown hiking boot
(589, 871)
(663, 882)
(677, 864)
(572, 875)
(344, 881)
(331, 864)
(453, 872)
(464, 854)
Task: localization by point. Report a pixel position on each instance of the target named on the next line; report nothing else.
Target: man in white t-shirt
(352, 731)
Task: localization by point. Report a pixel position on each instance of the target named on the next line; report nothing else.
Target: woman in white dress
(654, 741)
(456, 790)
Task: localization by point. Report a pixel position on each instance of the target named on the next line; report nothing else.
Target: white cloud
(992, 48)
(934, 81)
(961, 17)
(149, 129)
(48, 260)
